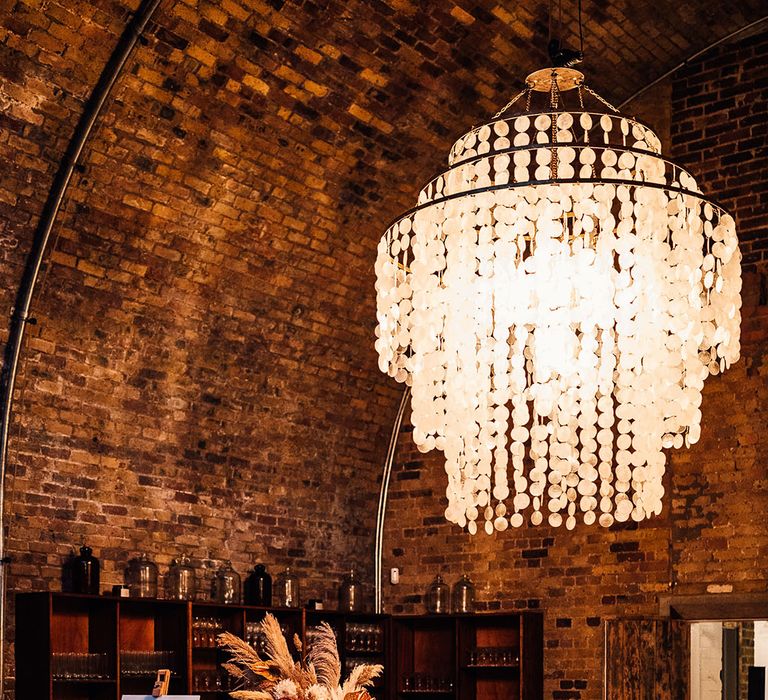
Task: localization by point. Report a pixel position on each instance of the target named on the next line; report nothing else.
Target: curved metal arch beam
(383, 493)
(20, 313)
(690, 58)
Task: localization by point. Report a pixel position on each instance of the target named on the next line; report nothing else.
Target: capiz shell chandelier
(556, 300)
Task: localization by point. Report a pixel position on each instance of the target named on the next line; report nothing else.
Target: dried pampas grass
(263, 679)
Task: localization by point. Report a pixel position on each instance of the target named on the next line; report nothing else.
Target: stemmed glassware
(205, 630)
(145, 663)
(426, 683)
(80, 666)
(209, 680)
(482, 657)
(364, 638)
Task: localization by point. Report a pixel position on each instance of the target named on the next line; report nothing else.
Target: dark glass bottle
(258, 587)
(85, 572)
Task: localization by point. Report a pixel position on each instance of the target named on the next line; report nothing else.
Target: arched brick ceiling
(369, 83)
(205, 321)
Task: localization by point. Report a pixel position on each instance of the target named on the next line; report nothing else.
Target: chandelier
(555, 301)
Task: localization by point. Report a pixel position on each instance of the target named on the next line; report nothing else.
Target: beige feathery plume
(251, 695)
(311, 675)
(361, 677)
(244, 657)
(280, 657)
(277, 647)
(324, 657)
(237, 673)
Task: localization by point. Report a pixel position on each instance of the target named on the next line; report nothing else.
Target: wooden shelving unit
(80, 647)
(128, 638)
(468, 657)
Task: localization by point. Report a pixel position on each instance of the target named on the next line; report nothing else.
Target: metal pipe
(20, 312)
(379, 544)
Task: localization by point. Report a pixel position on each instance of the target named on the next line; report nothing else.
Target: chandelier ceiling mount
(566, 79)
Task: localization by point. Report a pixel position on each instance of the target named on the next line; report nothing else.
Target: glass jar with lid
(438, 595)
(463, 595)
(143, 576)
(226, 585)
(351, 593)
(182, 581)
(287, 593)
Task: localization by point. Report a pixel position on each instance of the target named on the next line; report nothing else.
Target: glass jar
(287, 590)
(438, 596)
(226, 585)
(351, 593)
(85, 572)
(182, 582)
(258, 587)
(142, 577)
(463, 595)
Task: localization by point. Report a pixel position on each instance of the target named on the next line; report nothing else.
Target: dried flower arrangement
(279, 677)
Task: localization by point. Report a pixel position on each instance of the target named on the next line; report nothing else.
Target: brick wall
(201, 375)
(721, 133)
(712, 531)
(746, 656)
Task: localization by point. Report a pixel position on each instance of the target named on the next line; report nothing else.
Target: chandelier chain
(554, 94)
(601, 99)
(512, 101)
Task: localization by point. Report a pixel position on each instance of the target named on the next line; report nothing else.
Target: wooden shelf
(436, 646)
(60, 623)
(440, 647)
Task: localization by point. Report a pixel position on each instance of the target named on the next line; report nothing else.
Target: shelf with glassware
(66, 648)
(151, 637)
(208, 620)
(481, 656)
(361, 638)
(88, 647)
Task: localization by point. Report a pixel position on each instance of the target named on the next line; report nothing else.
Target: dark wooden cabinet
(80, 647)
(76, 636)
(467, 657)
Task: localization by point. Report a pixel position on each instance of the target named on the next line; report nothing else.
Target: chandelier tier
(555, 301)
